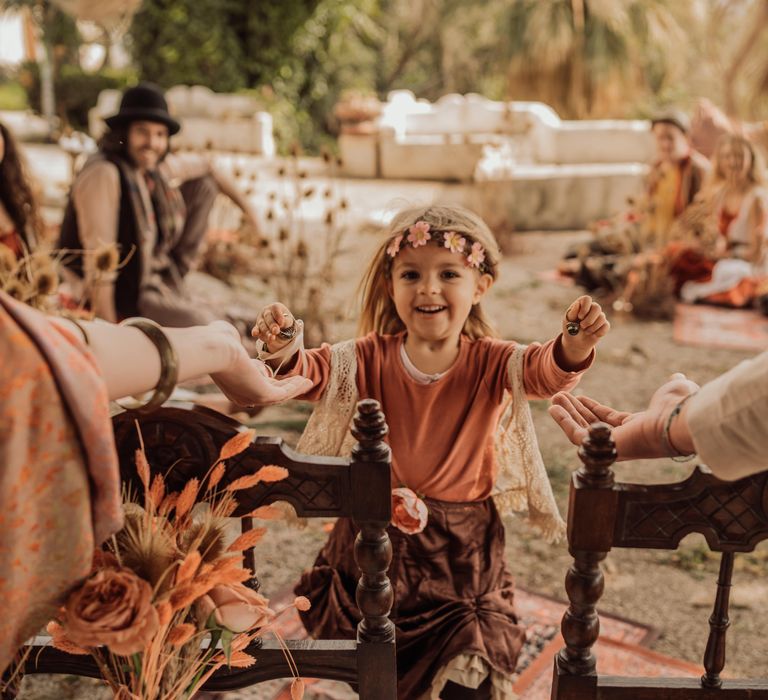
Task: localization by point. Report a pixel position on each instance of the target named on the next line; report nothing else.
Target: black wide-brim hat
(145, 102)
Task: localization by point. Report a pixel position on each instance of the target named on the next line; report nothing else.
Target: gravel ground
(672, 591)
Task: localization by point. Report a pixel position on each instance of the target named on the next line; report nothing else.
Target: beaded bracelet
(169, 364)
(671, 450)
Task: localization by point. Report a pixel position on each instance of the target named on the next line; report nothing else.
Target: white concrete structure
(546, 172)
(218, 121)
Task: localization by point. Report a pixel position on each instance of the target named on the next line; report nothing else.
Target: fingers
(579, 308)
(573, 431)
(604, 413)
(589, 314)
(272, 319)
(575, 409)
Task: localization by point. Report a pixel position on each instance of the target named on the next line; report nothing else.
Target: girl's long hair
(378, 311)
(756, 172)
(16, 192)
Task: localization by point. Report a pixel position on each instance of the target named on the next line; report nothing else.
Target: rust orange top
(441, 434)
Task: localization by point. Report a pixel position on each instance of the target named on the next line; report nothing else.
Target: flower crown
(419, 234)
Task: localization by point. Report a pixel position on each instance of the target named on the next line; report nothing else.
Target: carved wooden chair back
(182, 443)
(602, 513)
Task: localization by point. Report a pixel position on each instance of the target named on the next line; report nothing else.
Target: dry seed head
(15, 289)
(188, 567)
(216, 474)
(106, 258)
(7, 259)
(164, 613)
(241, 660)
(157, 490)
(237, 444)
(181, 634)
(46, 282)
(247, 539)
(187, 497)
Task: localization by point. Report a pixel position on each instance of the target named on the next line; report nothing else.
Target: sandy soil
(672, 591)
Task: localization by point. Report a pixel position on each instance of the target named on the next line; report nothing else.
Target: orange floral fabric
(59, 478)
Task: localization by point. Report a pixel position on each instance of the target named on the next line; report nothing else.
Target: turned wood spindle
(373, 549)
(584, 582)
(597, 453)
(714, 656)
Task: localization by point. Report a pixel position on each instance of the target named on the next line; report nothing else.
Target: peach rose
(409, 512)
(112, 608)
(235, 607)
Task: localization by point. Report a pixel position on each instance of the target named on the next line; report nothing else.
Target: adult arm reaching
(130, 363)
(724, 421)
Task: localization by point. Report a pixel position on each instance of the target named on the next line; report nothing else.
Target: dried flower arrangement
(167, 602)
(32, 278)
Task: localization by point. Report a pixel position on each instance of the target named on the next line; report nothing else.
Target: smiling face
(672, 144)
(147, 144)
(735, 160)
(433, 291)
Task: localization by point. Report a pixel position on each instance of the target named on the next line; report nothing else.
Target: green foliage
(187, 42)
(264, 32)
(76, 90)
(12, 95)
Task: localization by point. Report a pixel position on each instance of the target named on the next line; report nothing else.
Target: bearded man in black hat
(153, 205)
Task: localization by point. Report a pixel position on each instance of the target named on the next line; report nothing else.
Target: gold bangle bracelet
(169, 364)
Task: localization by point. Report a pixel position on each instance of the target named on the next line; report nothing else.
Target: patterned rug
(715, 327)
(622, 650)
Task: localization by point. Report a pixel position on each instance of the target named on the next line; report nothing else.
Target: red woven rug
(622, 650)
(716, 327)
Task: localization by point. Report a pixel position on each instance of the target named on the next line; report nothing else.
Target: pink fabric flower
(419, 234)
(409, 512)
(476, 256)
(394, 247)
(454, 242)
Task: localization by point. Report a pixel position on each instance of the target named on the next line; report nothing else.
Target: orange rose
(409, 512)
(112, 608)
(235, 607)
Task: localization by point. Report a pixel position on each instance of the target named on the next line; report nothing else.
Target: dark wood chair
(183, 443)
(732, 516)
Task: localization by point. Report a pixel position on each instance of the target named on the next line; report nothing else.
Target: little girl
(428, 353)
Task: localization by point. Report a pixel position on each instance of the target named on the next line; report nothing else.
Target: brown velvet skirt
(453, 592)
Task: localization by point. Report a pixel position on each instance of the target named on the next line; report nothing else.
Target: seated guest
(20, 223)
(674, 180)
(724, 421)
(676, 175)
(59, 482)
(728, 272)
(153, 204)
